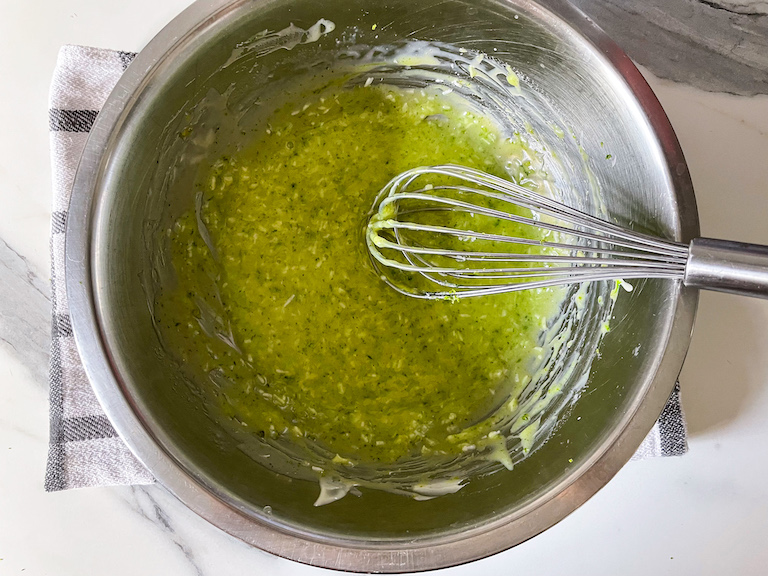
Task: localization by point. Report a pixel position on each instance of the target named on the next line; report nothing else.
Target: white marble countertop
(703, 513)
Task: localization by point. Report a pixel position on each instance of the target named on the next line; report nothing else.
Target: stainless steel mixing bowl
(120, 191)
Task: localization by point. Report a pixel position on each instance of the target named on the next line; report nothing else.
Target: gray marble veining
(25, 313)
(146, 505)
(714, 45)
(196, 549)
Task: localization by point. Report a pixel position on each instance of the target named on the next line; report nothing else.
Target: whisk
(430, 236)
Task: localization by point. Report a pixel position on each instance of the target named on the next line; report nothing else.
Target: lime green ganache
(277, 303)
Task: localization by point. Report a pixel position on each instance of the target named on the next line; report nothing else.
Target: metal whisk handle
(572, 246)
(726, 266)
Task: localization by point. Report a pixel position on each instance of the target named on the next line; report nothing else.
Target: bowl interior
(147, 177)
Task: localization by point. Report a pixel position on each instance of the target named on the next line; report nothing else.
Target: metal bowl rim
(351, 555)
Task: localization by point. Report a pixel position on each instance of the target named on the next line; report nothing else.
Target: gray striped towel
(84, 448)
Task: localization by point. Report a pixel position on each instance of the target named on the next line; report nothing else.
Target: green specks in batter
(278, 305)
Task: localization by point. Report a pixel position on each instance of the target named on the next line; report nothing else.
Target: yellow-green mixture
(307, 341)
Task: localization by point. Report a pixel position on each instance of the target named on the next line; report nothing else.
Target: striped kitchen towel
(84, 447)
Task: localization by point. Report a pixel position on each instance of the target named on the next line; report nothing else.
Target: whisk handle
(726, 266)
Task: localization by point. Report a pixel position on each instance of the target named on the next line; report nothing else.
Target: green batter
(278, 304)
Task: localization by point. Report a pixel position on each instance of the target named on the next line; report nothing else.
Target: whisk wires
(445, 232)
